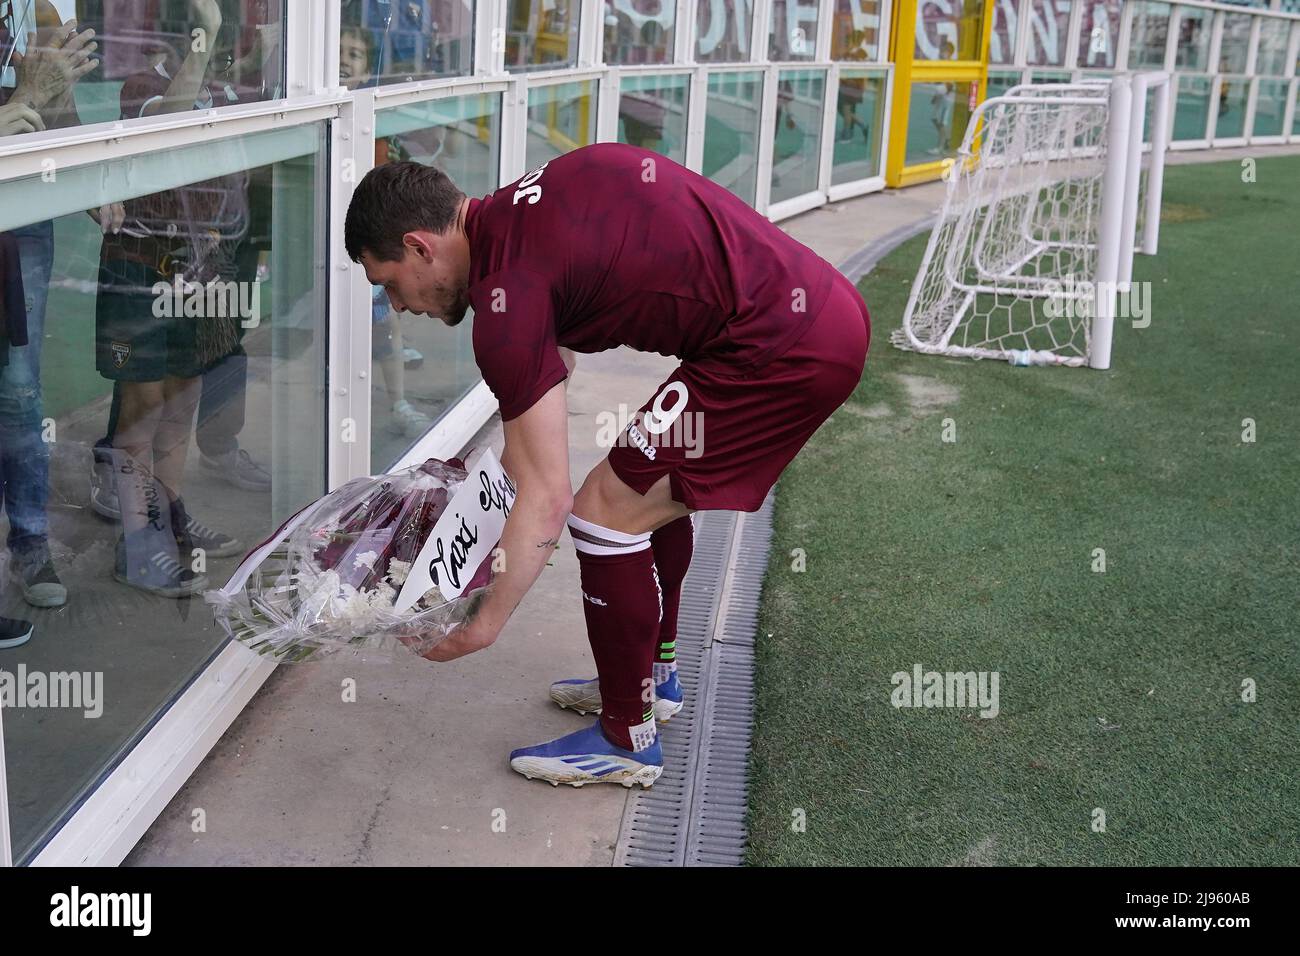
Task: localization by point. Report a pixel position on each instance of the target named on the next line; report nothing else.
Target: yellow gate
(940, 52)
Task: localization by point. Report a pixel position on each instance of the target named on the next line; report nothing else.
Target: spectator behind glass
(386, 346)
(56, 56)
(158, 362)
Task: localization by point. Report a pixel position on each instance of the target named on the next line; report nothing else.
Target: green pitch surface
(1120, 693)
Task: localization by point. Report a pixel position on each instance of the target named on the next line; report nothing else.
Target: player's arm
(536, 457)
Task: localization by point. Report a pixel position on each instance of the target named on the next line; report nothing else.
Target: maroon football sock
(673, 545)
(622, 602)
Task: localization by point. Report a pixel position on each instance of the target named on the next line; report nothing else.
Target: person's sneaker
(191, 533)
(39, 582)
(409, 420)
(103, 490)
(411, 358)
(668, 698)
(588, 756)
(238, 468)
(145, 561)
(583, 695)
(14, 632)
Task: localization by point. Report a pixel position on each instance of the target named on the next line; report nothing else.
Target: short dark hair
(394, 199)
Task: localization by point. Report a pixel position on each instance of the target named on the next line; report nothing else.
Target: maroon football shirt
(613, 245)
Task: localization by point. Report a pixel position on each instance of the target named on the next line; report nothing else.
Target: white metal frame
(1125, 101)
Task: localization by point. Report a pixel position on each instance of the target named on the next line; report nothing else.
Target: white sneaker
(583, 696)
(409, 420)
(588, 756)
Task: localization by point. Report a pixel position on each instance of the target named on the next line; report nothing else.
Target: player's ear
(421, 243)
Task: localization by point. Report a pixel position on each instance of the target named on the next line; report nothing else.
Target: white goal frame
(966, 264)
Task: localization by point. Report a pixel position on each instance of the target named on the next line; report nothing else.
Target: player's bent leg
(621, 604)
(622, 600)
(671, 545)
(605, 499)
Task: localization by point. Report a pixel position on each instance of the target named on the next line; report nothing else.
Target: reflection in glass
(1270, 58)
(1002, 42)
(402, 40)
(1232, 109)
(936, 121)
(1192, 110)
(182, 368)
(1049, 76)
(792, 33)
(855, 31)
(652, 114)
(244, 62)
(796, 148)
(860, 113)
(1193, 52)
(1049, 25)
(1099, 33)
(561, 117)
(1000, 81)
(948, 29)
(420, 367)
(731, 132)
(639, 31)
(542, 34)
(723, 30)
(1270, 108)
(1149, 36)
(1236, 43)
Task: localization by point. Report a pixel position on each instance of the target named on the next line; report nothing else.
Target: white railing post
(514, 129)
(1112, 222)
(696, 118)
(352, 155)
(766, 137)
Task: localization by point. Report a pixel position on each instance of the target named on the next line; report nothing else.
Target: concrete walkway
(415, 772)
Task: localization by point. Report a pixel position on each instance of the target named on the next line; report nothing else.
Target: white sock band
(591, 538)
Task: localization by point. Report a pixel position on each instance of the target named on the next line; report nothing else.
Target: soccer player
(613, 245)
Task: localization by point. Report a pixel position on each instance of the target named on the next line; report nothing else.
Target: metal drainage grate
(695, 813)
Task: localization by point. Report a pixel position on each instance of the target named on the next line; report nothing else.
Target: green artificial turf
(1119, 691)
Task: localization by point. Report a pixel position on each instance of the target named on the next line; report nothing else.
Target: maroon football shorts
(724, 438)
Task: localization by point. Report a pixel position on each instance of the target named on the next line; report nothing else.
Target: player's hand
(465, 639)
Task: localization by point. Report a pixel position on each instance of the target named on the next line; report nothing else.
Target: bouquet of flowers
(388, 561)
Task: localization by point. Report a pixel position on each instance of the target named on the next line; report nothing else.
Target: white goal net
(1030, 249)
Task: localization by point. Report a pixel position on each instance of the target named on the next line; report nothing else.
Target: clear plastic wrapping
(329, 579)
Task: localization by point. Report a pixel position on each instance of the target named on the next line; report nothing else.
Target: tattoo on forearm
(548, 543)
